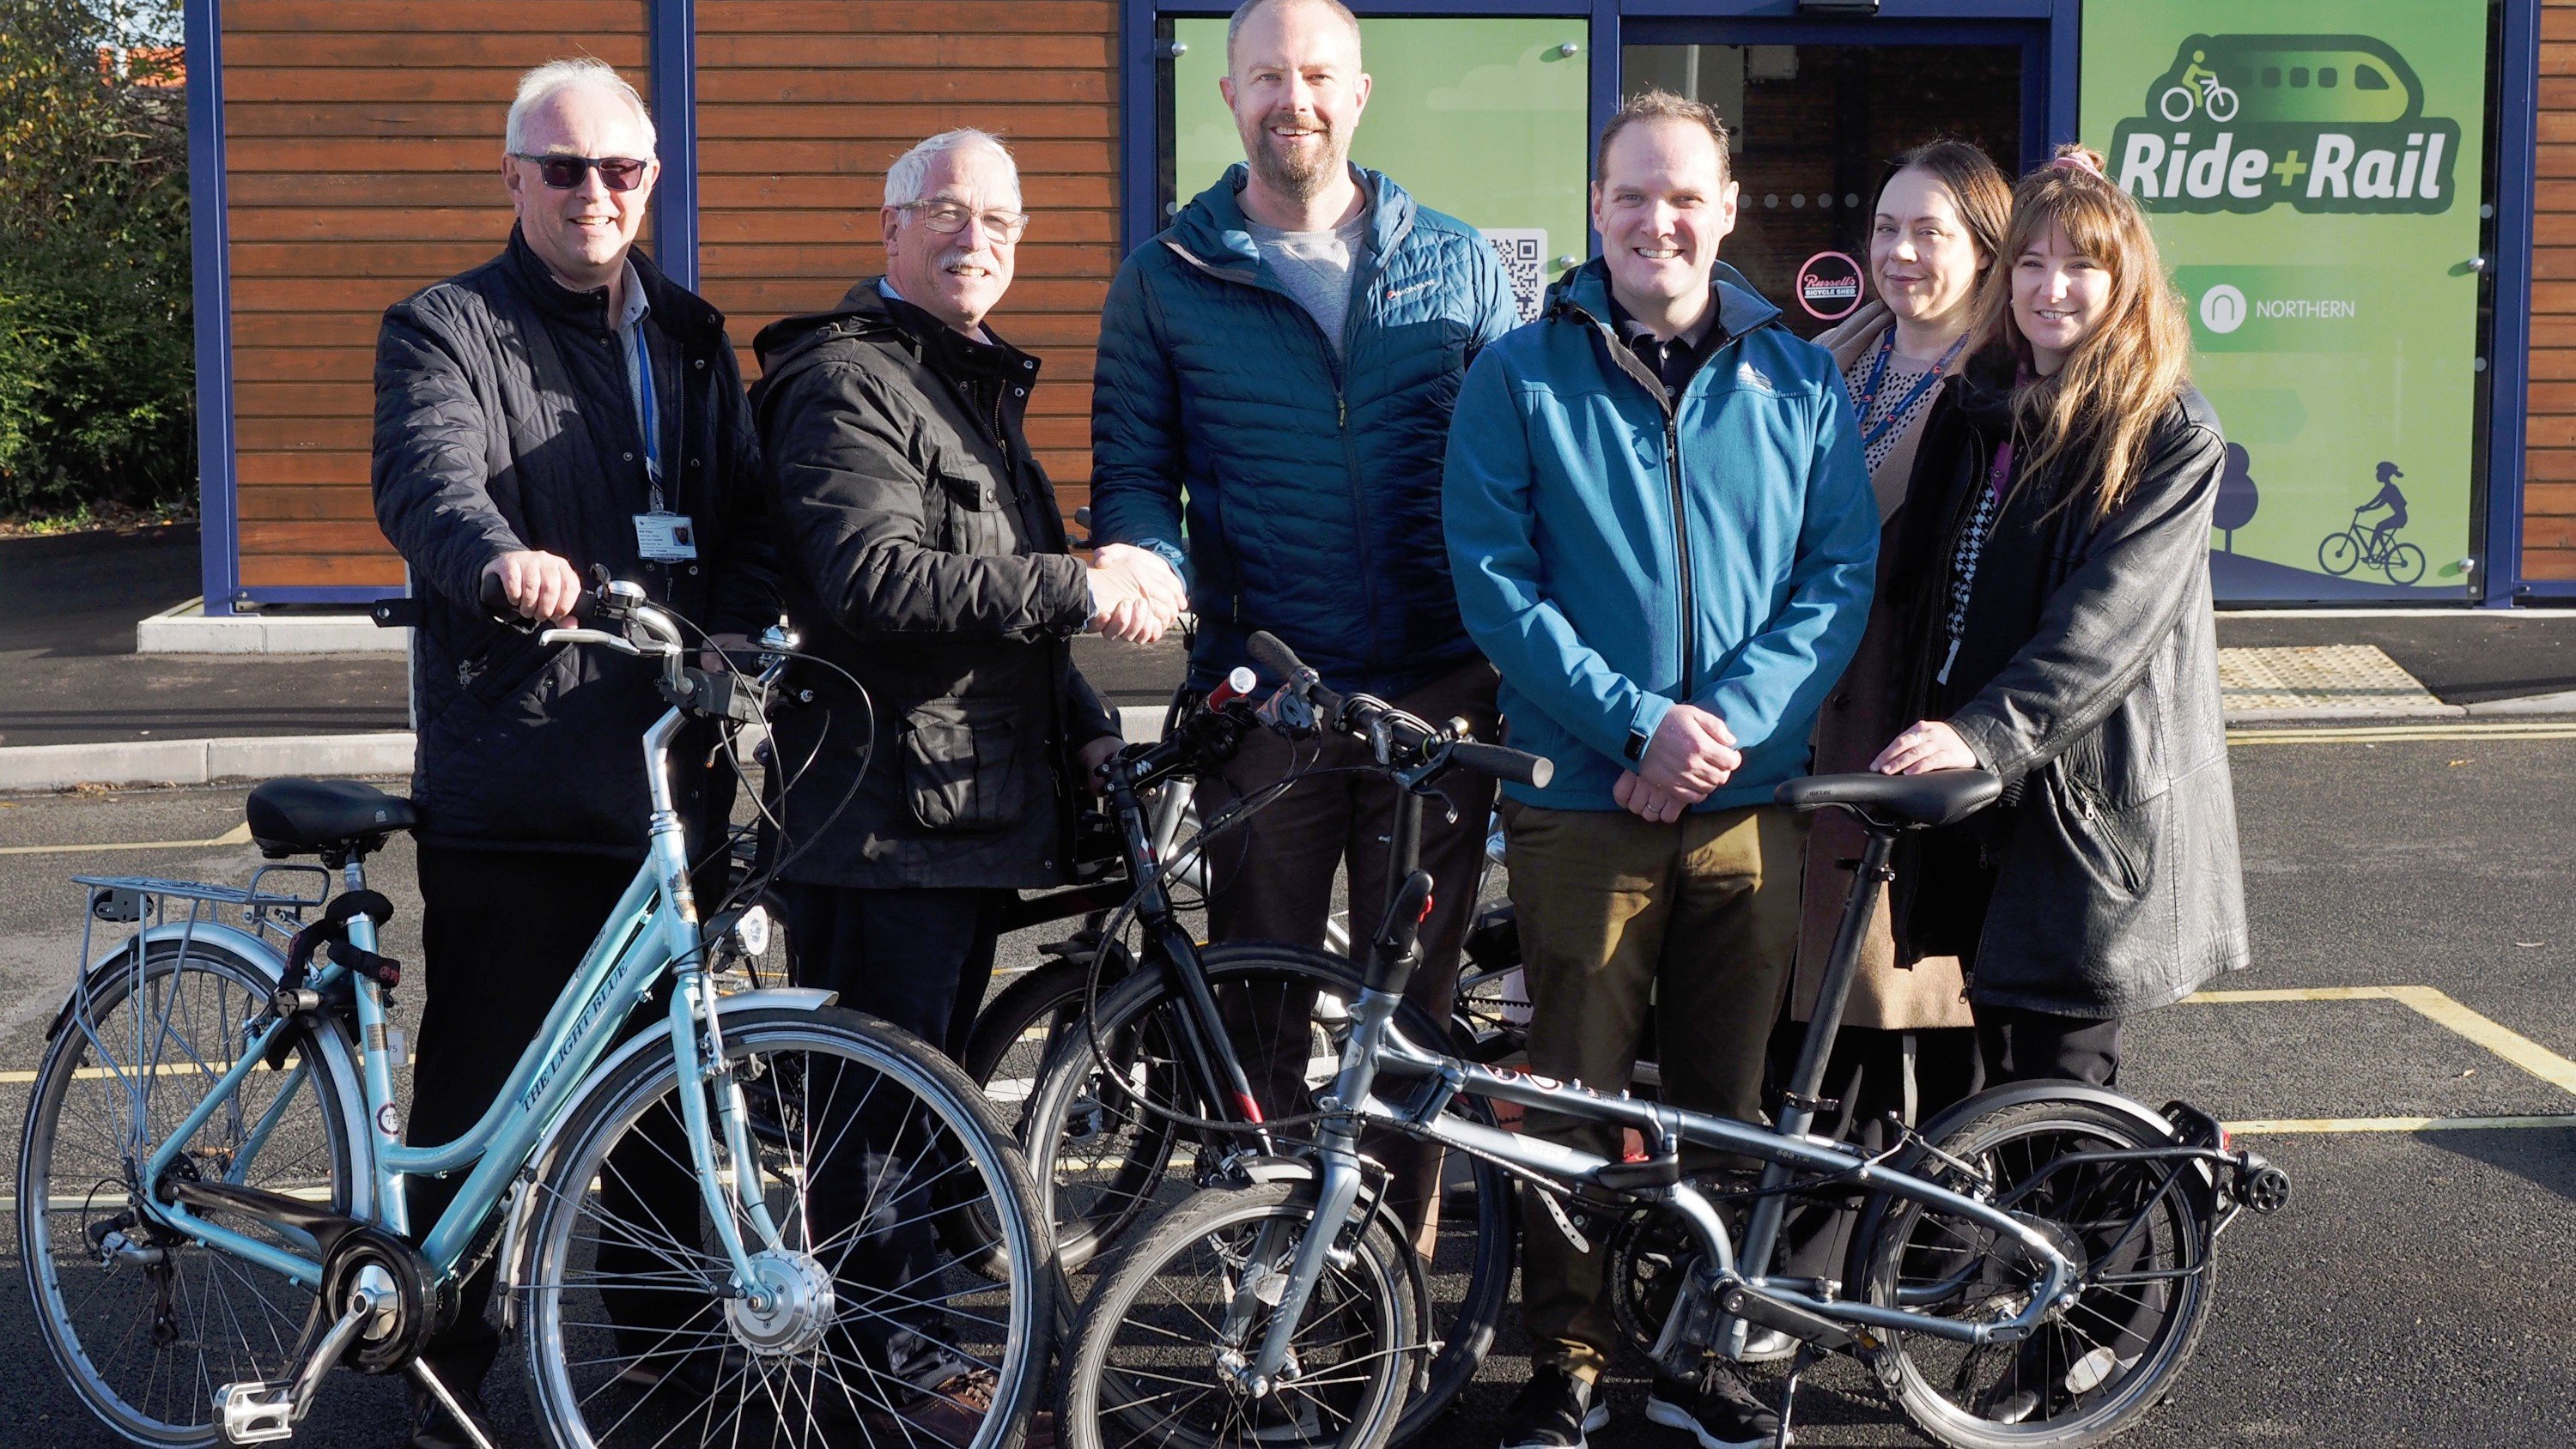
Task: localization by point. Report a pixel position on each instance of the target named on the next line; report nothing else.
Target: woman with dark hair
(2053, 569)
(1938, 224)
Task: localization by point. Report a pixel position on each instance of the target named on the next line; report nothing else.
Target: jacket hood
(1216, 234)
(1583, 294)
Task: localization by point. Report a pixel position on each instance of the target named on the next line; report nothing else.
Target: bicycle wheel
(1102, 1161)
(1016, 1032)
(2405, 564)
(2338, 554)
(2222, 105)
(870, 1332)
(2137, 1234)
(1149, 1368)
(147, 1335)
(2165, 104)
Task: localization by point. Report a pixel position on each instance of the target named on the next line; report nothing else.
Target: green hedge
(97, 361)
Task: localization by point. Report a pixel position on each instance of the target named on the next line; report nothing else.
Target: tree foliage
(96, 329)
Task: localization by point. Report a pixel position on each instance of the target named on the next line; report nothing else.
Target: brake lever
(618, 642)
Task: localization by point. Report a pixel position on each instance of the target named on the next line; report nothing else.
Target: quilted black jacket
(502, 423)
(924, 554)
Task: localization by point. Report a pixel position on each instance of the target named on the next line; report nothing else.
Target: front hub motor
(796, 1303)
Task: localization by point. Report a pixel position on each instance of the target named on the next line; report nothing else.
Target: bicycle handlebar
(1366, 717)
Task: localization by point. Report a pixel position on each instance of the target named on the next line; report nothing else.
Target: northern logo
(2326, 123)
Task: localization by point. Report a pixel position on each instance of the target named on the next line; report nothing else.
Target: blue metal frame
(2517, 143)
(673, 55)
(218, 537)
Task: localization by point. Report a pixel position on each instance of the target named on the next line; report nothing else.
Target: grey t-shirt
(1316, 266)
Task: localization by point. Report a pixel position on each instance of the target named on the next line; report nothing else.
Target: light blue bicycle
(761, 1219)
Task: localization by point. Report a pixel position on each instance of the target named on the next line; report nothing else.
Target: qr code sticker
(1524, 254)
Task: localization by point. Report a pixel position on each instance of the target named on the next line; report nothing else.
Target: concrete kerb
(201, 762)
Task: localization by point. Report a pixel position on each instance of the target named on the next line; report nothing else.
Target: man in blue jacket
(1663, 537)
(1278, 367)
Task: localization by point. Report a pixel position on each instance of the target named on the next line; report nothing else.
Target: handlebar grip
(1238, 683)
(1274, 657)
(1518, 766)
(489, 595)
(1391, 965)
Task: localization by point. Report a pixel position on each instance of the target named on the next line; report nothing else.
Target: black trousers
(921, 960)
(501, 933)
(2021, 1046)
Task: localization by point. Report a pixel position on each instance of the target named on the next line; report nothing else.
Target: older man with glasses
(560, 408)
(952, 739)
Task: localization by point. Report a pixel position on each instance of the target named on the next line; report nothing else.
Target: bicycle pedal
(255, 1413)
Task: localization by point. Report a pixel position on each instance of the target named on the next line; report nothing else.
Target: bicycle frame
(653, 929)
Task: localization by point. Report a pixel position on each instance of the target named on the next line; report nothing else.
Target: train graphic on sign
(2324, 123)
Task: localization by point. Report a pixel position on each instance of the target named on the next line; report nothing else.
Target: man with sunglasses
(560, 408)
(924, 555)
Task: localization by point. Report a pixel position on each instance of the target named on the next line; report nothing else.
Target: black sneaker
(1725, 1415)
(1554, 1411)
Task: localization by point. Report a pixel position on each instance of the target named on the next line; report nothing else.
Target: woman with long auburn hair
(2053, 566)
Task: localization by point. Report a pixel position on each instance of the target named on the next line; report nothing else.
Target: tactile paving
(2353, 679)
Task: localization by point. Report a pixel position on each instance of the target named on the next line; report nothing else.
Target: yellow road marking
(2435, 1007)
(2373, 734)
(2289, 1125)
(238, 835)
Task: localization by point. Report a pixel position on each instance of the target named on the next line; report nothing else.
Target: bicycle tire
(700, 1369)
(1478, 1252)
(1017, 1030)
(2339, 553)
(2190, 103)
(236, 1322)
(2015, 1142)
(2405, 564)
(1201, 1246)
(2222, 114)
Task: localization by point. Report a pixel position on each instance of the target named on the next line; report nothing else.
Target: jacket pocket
(971, 512)
(963, 767)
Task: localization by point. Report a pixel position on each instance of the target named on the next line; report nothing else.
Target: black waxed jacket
(503, 422)
(924, 554)
(2118, 885)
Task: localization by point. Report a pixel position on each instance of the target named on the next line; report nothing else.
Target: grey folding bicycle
(2033, 1267)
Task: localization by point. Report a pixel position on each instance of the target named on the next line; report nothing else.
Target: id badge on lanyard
(665, 537)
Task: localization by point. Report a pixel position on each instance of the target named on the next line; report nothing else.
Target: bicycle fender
(2013, 1094)
(512, 1268)
(255, 953)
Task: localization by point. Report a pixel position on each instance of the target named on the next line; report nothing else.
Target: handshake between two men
(1135, 595)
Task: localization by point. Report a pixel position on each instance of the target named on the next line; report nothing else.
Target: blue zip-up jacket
(1311, 482)
(1567, 472)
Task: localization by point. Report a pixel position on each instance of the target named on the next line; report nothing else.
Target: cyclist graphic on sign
(2199, 89)
(2340, 553)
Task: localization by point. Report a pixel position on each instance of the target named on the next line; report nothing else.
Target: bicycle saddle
(298, 817)
(1896, 802)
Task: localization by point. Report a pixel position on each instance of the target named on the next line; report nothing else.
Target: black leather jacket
(925, 555)
(2118, 884)
(503, 422)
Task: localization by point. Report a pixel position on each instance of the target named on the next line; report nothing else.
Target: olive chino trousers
(1695, 921)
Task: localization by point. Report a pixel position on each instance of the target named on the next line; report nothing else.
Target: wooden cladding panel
(802, 104)
(362, 162)
(2549, 465)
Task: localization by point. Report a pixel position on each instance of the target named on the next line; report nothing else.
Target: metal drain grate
(2353, 679)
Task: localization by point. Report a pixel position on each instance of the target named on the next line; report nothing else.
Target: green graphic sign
(2303, 164)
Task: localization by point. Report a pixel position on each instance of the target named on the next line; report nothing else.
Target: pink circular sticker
(1829, 286)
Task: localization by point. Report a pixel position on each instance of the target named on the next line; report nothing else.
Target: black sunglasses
(563, 173)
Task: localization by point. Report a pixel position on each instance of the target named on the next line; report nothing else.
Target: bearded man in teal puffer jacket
(1278, 367)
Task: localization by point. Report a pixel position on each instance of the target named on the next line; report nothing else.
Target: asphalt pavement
(69, 673)
(2413, 1294)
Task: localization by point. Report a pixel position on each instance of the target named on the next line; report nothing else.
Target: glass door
(1814, 126)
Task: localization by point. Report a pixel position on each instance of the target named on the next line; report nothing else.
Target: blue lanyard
(1878, 373)
(648, 412)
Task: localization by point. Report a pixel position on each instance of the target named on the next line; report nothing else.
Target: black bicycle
(1189, 1057)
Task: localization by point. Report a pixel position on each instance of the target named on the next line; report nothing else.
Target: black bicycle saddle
(1896, 802)
(298, 817)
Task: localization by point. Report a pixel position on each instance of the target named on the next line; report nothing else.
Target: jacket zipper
(1341, 413)
(1673, 482)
